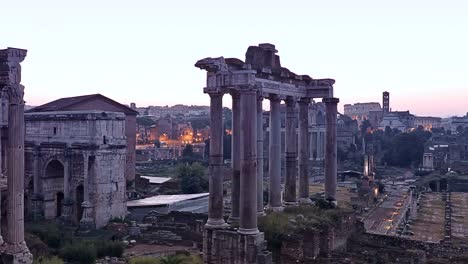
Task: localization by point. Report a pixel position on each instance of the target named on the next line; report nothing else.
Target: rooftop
(165, 199)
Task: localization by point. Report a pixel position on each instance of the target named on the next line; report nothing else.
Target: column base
(276, 208)
(229, 246)
(305, 201)
(216, 224)
(37, 207)
(10, 254)
(248, 231)
(87, 222)
(290, 204)
(67, 212)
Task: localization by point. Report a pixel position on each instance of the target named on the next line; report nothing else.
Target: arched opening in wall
(54, 169)
(79, 200)
(433, 186)
(59, 201)
(53, 182)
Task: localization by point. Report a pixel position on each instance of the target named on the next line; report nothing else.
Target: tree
(187, 151)
(364, 126)
(189, 156)
(199, 123)
(192, 178)
(171, 260)
(145, 121)
(157, 143)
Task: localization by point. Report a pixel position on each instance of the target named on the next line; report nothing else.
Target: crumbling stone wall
(183, 228)
(312, 243)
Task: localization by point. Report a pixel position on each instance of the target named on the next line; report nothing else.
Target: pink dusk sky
(144, 51)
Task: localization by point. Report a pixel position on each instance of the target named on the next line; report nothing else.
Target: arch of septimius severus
(13, 248)
(260, 77)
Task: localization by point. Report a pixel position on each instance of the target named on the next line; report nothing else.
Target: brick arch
(48, 159)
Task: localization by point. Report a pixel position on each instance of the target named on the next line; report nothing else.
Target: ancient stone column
(303, 150)
(10, 79)
(248, 180)
(215, 202)
(36, 197)
(87, 219)
(291, 153)
(260, 156)
(274, 163)
(67, 201)
(235, 156)
(330, 148)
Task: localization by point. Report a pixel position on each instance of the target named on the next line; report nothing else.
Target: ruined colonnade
(262, 77)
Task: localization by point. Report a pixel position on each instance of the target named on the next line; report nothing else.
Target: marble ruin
(99, 102)
(260, 77)
(75, 166)
(13, 247)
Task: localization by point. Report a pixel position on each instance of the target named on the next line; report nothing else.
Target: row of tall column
(317, 145)
(247, 157)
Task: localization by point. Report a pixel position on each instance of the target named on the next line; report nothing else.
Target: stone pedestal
(230, 247)
(67, 212)
(134, 229)
(87, 222)
(37, 207)
(15, 254)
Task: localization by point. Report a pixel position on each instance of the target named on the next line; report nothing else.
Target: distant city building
(385, 103)
(427, 122)
(393, 121)
(362, 111)
(455, 122)
(178, 110)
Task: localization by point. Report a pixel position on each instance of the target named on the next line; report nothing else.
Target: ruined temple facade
(260, 77)
(75, 166)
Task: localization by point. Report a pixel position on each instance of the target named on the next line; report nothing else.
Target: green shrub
(48, 260)
(81, 252)
(109, 249)
(143, 260)
(174, 259)
(275, 226)
(51, 234)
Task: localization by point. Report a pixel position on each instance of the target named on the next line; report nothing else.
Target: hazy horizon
(144, 51)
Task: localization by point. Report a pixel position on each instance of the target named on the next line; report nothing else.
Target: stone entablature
(75, 166)
(77, 127)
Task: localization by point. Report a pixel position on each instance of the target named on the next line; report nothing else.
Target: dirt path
(155, 250)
